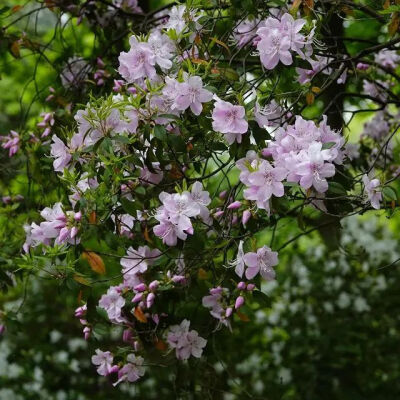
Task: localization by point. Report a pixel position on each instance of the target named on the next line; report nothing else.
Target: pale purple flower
(147, 177)
(113, 302)
(169, 231)
(261, 262)
(163, 48)
(376, 89)
(186, 343)
(11, 142)
(132, 370)
(373, 191)
(268, 115)
(313, 170)
(238, 263)
(245, 31)
(387, 58)
(75, 72)
(230, 120)
(202, 199)
(137, 261)
(264, 183)
(191, 93)
(130, 6)
(138, 62)
(60, 152)
(103, 360)
(377, 127)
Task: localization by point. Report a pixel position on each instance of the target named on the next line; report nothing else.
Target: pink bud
(100, 62)
(51, 89)
(137, 298)
(251, 286)
(228, 312)
(62, 236)
(46, 132)
(218, 213)
(80, 311)
(234, 220)
(78, 216)
(132, 90)
(141, 287)
(141, 305)
(245, 217)
(222, 195)
(127, 335)
(114, 369)
(235, 205)
(154, 285)
(150, 300)
(74, 231)
(362, 66)
(241, 286)
(155, 318)
(86, 332)
(50, 97)
(239, 302)
(178, 279)
(216, 290)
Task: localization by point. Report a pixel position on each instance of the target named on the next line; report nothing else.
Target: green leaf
(160, 133)
(389, 193)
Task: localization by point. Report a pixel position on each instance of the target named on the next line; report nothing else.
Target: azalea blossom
(132, 370)
(186, 343)
(230, 120)
(191, 93)
(261, 262)
(372, 189)
(137, 261)
(103, 360)
(11, 142)
(138, 62)
(113, 302)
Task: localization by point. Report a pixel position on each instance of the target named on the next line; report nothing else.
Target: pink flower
(185, 342)
(313, 170)
(103, 360)
(138, 62)
(191, 94)
(132, 370)
(60, 152)
(11, 142)
(373, 192)
(230, 120)
(278, 37)
(261, 262)
(387, 58)
(202, 199)
(264, 183)
(137, 261)
(163, 48)
(245, 31)
(147, 177)
(113, 302)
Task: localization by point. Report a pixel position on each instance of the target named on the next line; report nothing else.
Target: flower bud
(250, 287)
(245, 217)
(137, 298)
(150, 300)
(86, 332)
(239, 302)
(154, 285)
(222, 195)
(114, 369)
(235, 205)
(241, 286)
(78, 216)
(228, 312)
(141, 287)
(127, 336)
(216, 290)
(218, 213)
(178, 279)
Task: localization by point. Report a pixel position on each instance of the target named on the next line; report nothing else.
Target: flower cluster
(302, 153)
